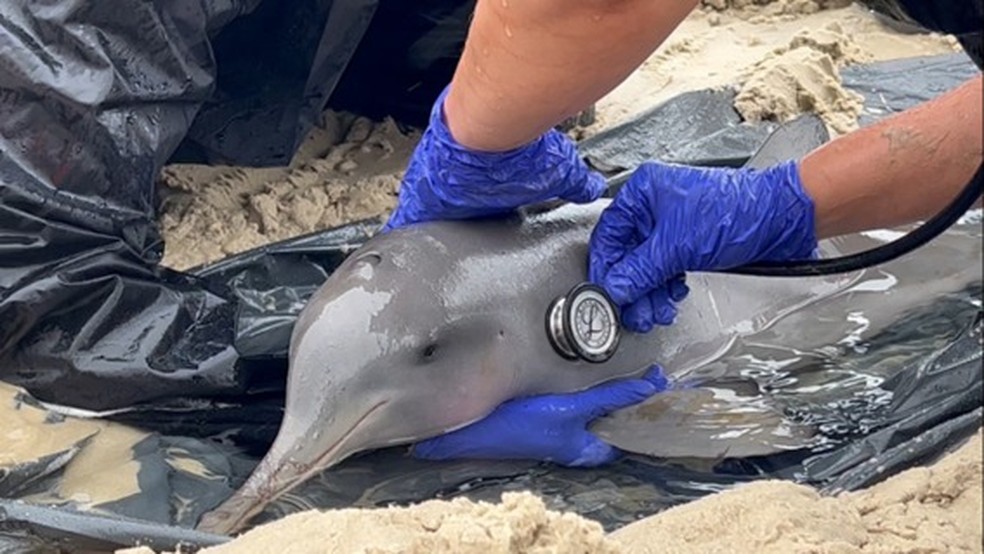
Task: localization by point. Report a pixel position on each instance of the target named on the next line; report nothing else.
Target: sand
(519, 523)
(347, 169)
(103, 470)
(784, 58)
(804, 77)
(923, 509)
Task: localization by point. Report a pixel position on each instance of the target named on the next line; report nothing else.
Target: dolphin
(428, 328)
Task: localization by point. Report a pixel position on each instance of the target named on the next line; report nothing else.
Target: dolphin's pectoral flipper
(722, 419)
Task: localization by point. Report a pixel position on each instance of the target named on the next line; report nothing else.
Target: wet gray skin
(428, 328)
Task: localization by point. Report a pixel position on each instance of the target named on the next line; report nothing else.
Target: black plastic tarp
(95, 98)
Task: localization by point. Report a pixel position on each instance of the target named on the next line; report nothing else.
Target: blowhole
(371, 258)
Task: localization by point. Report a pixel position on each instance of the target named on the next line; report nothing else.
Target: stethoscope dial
(584, 324)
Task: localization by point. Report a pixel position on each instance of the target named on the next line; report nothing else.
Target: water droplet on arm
(508, 31)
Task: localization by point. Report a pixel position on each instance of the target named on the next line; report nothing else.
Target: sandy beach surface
(784, 57)
(924, 509)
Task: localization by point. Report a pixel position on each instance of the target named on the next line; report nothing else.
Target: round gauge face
(593, 324)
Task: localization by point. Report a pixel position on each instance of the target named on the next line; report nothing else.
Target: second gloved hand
(445, 180)
(670, 219)
(549, 428)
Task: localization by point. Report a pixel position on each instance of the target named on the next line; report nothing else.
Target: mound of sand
(925, 509)
(778, 6)
(519, 523)
(802, 78)
(347, 169)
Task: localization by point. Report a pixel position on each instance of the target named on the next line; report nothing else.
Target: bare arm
(527, 65)
(904, 168)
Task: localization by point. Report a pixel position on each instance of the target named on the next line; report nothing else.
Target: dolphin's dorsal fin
(791, 141)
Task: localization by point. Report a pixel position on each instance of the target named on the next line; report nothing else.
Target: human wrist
(448, 180)
(549, 166)
(453, 130)
(790, 211)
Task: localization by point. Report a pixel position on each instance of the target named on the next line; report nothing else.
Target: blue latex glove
(549, 428)
(445, 180)
(670, 219)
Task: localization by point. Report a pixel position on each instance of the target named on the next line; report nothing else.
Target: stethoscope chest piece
(584, 324)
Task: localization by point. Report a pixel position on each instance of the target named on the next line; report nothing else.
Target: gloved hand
(670, 219)
(549, 428)
(445, 180)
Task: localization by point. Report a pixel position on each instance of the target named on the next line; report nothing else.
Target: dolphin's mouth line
(316, 465)
(320, 462)
(265, 498)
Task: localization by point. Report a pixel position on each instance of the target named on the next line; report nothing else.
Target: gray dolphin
(428, 328)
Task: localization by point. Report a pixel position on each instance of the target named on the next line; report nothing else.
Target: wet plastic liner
(207, 354)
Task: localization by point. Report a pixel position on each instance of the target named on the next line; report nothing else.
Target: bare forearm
(905, 168)
(528, 65)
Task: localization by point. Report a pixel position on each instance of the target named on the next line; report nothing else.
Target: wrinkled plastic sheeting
(699, 127)
(94, 99)
(935, 402)
(278, 66)
(889, 87)
(28, 529)
(703, 128)
(174, 480)
(166, 490)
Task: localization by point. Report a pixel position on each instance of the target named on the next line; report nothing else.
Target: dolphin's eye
(429, 351)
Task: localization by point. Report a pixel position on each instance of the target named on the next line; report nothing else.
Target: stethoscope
(584, 324)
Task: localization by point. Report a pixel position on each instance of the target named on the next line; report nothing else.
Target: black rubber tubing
(876, 256)
(862, 260)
